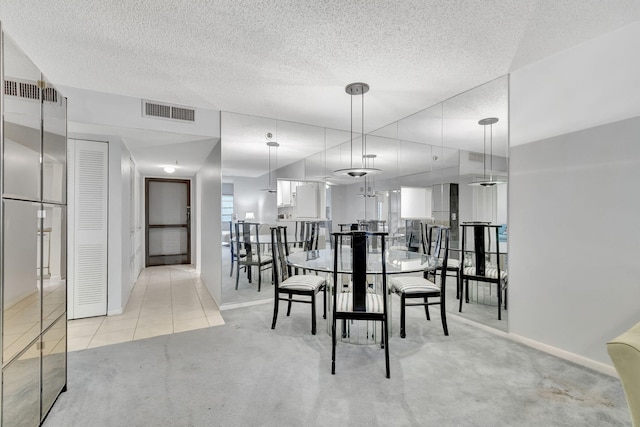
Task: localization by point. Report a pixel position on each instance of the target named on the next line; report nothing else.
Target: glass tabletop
(398, 261)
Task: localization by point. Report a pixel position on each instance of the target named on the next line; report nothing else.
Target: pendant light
(369, 184)
(487, 181)
(354, 89)
(271, 144)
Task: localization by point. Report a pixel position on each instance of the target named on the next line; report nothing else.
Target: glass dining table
(397, 262)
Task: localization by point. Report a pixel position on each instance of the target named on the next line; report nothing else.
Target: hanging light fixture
(271, 144)
(354, 89)
(487, 181)
(369, 184)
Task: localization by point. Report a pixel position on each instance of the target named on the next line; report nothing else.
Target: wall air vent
(168, 111)
(476, 157)
(10, 88)
(30, 90)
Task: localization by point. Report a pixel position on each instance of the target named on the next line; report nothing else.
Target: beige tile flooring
(164, 300)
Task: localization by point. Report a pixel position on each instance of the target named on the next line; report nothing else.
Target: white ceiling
(290, 60)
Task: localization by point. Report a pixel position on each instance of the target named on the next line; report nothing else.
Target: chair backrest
(231, 239)
(439, 237)
(361, 241)
(280, 251)
(425, 236)
(481, 246)
(311, 235)
(238, 240)
(249, 229)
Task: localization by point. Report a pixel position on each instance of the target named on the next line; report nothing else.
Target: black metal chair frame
(440, 245)
(282, 271)
(426, 248)
(359, 245)
(251, 258)
(234, 245)
(481, 233)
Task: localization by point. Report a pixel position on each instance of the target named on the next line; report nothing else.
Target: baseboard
(554, 351)
(115, 312)
(566, 355)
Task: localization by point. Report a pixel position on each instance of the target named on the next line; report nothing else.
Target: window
(227, 207)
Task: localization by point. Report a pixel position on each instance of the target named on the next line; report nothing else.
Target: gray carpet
(245, 374)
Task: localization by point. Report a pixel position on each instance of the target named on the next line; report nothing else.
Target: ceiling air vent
(49, 94)
(168, 111)
(10, 88)
(476, 157)
(30, 90)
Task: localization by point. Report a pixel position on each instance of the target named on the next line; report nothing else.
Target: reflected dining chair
(286, 285)
(483, 262)
(412, 287)
(234, 240)
(358, 302)
(453, 265)
(249, 244)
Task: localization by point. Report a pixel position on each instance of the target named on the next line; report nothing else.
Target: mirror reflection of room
(441, 153)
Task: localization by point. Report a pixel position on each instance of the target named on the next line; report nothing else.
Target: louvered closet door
(87, 200)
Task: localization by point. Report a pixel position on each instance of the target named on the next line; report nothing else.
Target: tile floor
(164, 300)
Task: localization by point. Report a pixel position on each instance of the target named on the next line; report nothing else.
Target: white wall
(208, 221)
(86, 106)
(573, 204)
(248, 197)
(119, 265)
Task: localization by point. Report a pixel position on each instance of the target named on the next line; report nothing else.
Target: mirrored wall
(443, 148)
(33, 279)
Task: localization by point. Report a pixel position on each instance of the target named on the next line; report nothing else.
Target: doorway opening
(168, 221)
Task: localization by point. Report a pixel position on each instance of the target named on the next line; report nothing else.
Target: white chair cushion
(263, 258)
(374, 302)
(412, 284)
(303, 282)
(490, 272)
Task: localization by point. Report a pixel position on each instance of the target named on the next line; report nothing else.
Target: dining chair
(412, 287)
(483, 262)
(285, 283)
(233, 245)
(251, 247)
(357, 302)
(453, 265)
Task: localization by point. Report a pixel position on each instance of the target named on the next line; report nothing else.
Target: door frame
(147, 226)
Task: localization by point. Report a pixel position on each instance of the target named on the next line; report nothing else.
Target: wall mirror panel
(54, 146)
(22, 115)
(53, 267)
(441, 149)
(21, 276)
(21, 389)
(34, 237)
(54, 363)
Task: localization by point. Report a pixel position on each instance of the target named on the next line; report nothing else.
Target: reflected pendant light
(367, 190)
(275, 145)
(487, 181)
(354, 89)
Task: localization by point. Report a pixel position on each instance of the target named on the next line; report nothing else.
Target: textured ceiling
(290, 60)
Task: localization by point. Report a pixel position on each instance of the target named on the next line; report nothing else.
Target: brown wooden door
(168, 221)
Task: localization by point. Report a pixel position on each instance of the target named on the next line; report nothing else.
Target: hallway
(164, 300)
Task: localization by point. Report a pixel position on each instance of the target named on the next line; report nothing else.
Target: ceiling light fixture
(487, 181)
(170, 168)
(270, 144)
(354, 89)
(367, 190)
